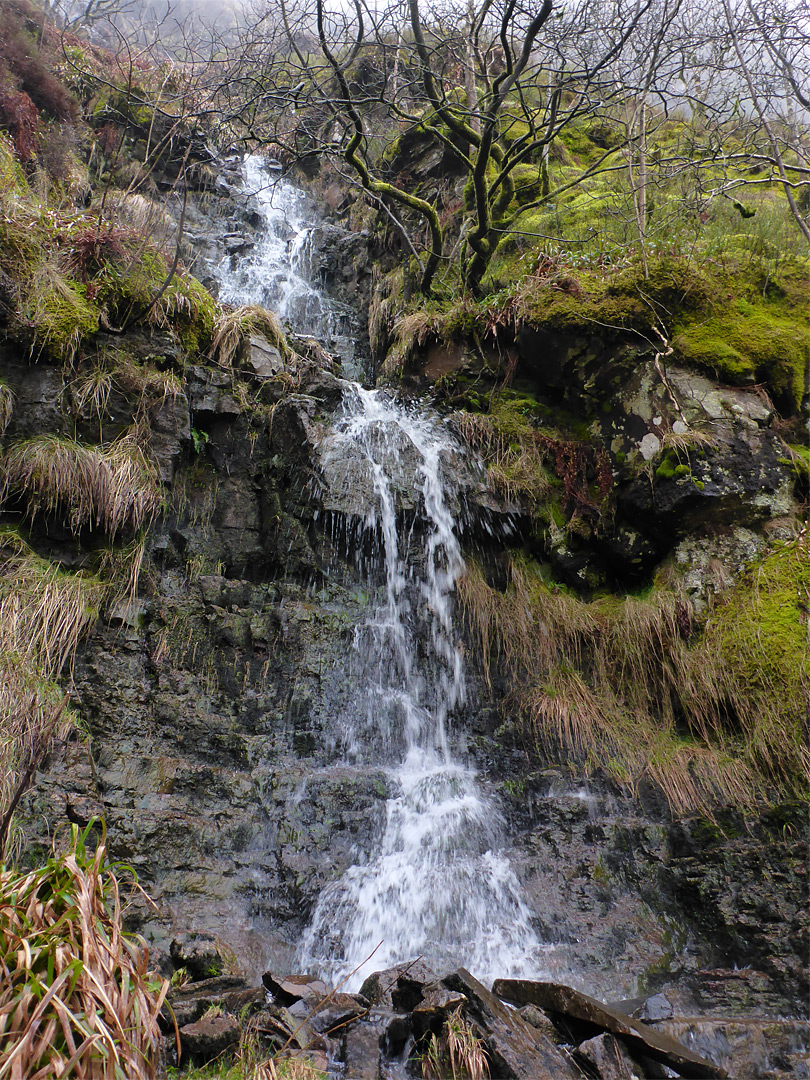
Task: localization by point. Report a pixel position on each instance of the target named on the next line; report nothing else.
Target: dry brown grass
(44, 613)
(143, 216)
(514, 458)
(6, 406)
(457, 1053)
(76, 996)
(114, 487)
(636, 687)
(91, 389)
(233, 327)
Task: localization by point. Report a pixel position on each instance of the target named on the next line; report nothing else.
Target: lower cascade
(437, 885)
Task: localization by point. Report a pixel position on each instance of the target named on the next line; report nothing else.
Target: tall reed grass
(76, 995)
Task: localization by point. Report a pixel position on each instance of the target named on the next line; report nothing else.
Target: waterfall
(278, 272)
(437, 883)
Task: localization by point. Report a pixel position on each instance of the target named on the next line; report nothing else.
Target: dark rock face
(212, 707)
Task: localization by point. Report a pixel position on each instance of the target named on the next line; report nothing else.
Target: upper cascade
(278, 272)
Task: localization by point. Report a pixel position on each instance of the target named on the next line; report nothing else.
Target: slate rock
(400, 988)
(287, 989)
(657, 1007)
(432, 1011)
(209, 1037)
(265, 359)
(587, 1016)
(515, 1049)
(362, 1054)
(608, 1057)
(188, 1003)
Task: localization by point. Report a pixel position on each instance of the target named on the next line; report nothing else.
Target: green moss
(12, 178)
(759, 635)
(754, 343)
(185, 307)
(669, 466)
(528, 183)
(60, 314)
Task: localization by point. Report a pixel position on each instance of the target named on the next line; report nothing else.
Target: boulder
(208, 1037)
(585, 1016)
(363, 1052)
(516, 1049)
(400, 988)
(265, 359)
(229, 993)
(287, 989)
(657, 1007)
(606, 1055)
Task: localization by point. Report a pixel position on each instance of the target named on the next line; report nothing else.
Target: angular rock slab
(516, 1049)
(568, 1003)
(400, 988)
(288, 989)
(608, 1057)
(209, 1037)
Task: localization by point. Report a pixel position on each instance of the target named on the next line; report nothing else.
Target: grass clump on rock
(113, 488)
(636, 687)
(233, 328)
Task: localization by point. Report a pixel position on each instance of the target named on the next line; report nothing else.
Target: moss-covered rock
(755, 343)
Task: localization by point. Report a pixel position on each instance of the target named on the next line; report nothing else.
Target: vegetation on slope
(641, 688)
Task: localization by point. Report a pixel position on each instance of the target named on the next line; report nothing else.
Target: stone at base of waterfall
(514, 1047)
(209, 1037)
(585, 1016)
(399, 988)
(316, 1062)
(606, 1055)
(657, 1007)
(287, 989)
(228, 993)
(433, 1010)
(363, 1051)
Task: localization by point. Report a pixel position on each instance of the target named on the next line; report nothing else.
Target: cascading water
(277, 273)
(437, 884)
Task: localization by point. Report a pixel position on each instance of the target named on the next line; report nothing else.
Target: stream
(436, 884)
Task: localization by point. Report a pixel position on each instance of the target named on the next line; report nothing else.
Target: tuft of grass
(6, 406)
(636, 687)
(91, 389)
(233, 327)
(44, 613)
(114, 487)
(511, 450)
(457, 1053)
(59, 311)
(76, 996)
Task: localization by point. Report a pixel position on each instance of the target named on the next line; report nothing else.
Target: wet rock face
(628, 899)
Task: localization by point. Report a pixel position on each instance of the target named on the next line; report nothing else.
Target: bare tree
(494, 84)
